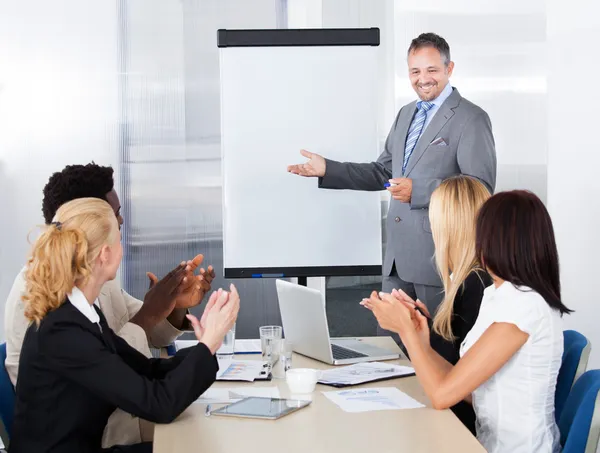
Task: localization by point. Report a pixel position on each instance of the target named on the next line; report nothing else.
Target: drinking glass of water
(285, 359)
(270, 343)
(227, 348)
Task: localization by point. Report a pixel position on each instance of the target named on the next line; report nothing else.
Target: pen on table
(207, 411)
(387, 370)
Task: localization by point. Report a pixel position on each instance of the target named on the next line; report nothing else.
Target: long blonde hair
(453, 213)
(63, 254)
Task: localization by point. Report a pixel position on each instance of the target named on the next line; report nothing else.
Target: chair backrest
(7, 396)
(574, 363)
(580, 420)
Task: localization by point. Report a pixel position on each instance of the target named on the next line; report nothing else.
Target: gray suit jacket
(469, 150)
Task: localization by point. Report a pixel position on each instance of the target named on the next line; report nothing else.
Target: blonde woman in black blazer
(453, 215)
(74, 370)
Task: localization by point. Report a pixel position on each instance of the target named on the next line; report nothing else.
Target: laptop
(305, 325)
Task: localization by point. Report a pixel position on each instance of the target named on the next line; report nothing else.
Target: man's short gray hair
(431, 40)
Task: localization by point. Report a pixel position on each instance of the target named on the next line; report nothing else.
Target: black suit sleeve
(151, 368)
(155, 390)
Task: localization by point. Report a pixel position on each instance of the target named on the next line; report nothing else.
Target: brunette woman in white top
(511, 357)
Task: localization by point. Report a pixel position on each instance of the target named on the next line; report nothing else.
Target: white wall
(574, 157)
(498, 47)
(58, 106)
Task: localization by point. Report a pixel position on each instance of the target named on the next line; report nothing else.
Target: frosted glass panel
(58, 106)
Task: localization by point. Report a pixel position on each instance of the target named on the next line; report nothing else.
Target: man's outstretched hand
(315, 167)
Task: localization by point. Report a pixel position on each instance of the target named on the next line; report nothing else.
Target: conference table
(322, 426)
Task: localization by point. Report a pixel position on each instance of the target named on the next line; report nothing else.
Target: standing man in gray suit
(440, 135)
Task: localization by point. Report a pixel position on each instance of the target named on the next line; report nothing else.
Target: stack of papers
(360, 373)
(241, 346)
(234, 394)
(242, 370)
(372, 399)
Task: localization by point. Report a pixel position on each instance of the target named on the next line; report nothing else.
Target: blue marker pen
(389, 184)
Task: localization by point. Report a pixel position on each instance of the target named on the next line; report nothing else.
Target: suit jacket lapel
(92, 327)
(104, 330)
(442, 116)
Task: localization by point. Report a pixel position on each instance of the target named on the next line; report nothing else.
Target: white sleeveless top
(515, 407)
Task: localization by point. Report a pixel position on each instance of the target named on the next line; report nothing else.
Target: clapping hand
(219, 316)
(195, 287)
(395, 313)
(160, 299)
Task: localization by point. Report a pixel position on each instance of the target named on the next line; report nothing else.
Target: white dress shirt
(437, 102)
(515, 407)
(79, 301)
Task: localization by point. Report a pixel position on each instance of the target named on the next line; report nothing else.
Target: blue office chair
(7, 399)
(580, 420)
(574, 363)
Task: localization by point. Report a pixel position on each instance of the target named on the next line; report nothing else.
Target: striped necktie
(414, 132)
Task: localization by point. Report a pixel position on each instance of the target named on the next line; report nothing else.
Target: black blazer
(74, 374)
(466, 309)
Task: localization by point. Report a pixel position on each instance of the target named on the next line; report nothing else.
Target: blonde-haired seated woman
(453, 213)
(74, 371)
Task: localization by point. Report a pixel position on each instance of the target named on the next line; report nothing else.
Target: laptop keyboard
(341, 353)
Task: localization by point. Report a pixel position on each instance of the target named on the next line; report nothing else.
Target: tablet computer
(256, 407)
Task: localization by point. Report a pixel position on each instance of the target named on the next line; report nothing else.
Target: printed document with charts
(372, 399)
(241, 370)
(360, 373)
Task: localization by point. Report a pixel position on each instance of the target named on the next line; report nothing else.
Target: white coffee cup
(302, 380)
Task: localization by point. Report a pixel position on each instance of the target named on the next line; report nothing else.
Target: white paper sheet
(360, 373)
(372, 399)
(182, 344)
(233, 394)
(241, 346)
(247, 346)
